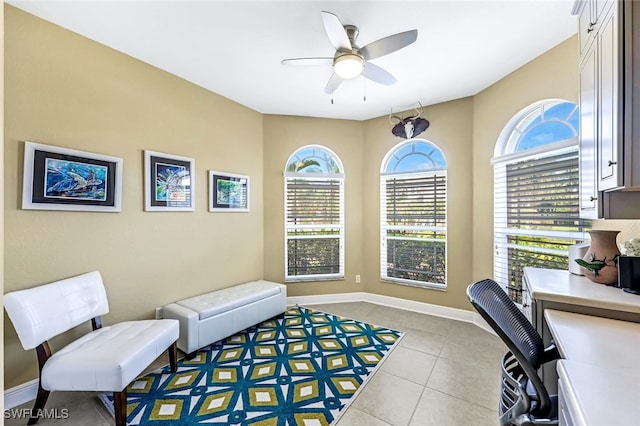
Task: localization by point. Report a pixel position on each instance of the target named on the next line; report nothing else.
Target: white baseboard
(394, 302)
(26, 392)
(20, 394)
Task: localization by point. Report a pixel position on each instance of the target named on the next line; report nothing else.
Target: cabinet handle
(611, 163)
(591, 26)
(524, 305)
(593, 198)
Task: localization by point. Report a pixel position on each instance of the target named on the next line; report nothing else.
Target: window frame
(385, 176)
(505, 156)
(291, 176)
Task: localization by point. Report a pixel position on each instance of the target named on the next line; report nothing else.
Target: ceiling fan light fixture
(348, 65)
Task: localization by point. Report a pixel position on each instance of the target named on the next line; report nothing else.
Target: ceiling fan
(350, 61)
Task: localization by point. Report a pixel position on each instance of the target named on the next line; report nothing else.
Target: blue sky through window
(549, 123)
(415, 156)
(313, 159)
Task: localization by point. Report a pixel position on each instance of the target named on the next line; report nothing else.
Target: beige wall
(466, 130)
(628, 228)
(283, 135)
(552, 75)
(65, 90)
(361, 146)
(451, 130)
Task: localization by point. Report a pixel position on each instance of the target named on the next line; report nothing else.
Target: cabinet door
(586, 26)
(609, 105)
(599, 8)
(564, 412)
(588, 131)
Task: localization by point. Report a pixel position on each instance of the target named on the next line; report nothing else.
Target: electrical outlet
(158, 313)
(357, 278)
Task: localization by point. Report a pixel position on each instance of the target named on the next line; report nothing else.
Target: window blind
(413, 245)
(314, 227)
(536, 215)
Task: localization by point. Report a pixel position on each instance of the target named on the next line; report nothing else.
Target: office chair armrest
(529, 420)
(550, 354)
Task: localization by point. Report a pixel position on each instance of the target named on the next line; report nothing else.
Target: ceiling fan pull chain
(364, 90)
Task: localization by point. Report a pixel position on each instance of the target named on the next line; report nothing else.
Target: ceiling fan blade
(335, 31)
(386, 45)
(334, 81)
(377, 74)
(307, 62)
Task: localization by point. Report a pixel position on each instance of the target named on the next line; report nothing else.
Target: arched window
(413, 206)
(536, 192)
(314, 215)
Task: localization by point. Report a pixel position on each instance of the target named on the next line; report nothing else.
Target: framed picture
(169, 182)
(57, 178)
(228, 192)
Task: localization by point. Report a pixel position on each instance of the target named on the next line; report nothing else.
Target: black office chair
(524, 400)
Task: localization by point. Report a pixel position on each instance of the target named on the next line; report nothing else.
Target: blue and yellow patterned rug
(302, 370)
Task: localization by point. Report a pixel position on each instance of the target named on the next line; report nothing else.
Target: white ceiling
(234, 48)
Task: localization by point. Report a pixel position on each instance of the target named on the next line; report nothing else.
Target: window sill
(426, 286)
(312, 279)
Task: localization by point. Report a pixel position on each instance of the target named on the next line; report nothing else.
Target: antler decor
(409, 127)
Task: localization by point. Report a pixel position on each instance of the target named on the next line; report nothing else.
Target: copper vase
(603, 256)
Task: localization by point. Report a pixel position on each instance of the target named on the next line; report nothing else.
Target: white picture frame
(228, 192)
(169, 182)
(57, 178)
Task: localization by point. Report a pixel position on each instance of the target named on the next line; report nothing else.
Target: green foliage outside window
(417, 260)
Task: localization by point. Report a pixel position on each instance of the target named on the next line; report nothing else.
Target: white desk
(598, 396)
(562, 287)
(600, 374)
(594, 340)
(545, 289)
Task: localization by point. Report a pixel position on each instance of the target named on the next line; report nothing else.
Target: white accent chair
(107, 359)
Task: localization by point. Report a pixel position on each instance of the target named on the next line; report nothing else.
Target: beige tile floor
(442, 373)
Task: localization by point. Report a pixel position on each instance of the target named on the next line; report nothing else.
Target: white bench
(210, 317)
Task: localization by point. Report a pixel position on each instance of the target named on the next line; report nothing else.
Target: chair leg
(173, 356)
(41, 400)
(120, 407)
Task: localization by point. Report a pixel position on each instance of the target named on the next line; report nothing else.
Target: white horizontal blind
(314, 227)
(414, 228)
(536, 215)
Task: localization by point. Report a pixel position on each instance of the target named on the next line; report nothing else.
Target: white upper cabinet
(609, 107)
(590, 16)
(589, 203)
